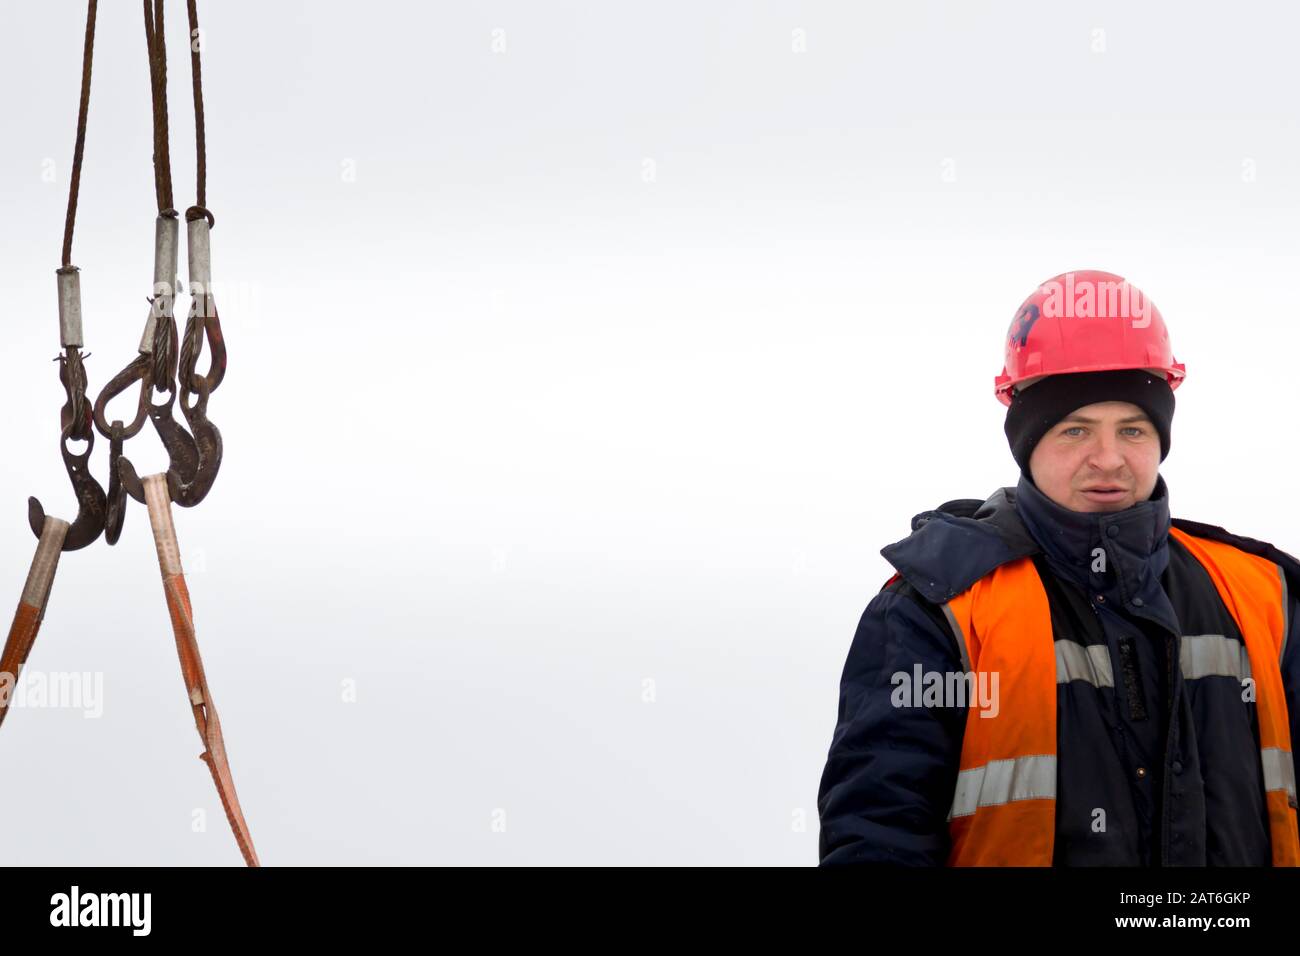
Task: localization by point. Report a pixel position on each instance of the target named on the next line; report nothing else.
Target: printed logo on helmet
(1023, 322)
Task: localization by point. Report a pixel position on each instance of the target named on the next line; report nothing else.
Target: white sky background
(610, 358)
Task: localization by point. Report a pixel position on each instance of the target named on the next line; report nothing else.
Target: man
(1061, 674)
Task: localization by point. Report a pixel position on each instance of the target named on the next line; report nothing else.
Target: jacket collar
(1119, 554)
(954, 545)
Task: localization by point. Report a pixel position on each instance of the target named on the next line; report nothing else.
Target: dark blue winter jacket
(1170, 750)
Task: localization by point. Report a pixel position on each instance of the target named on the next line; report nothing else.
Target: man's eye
(1136, 429)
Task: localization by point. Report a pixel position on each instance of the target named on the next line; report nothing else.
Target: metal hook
(188, 493)
(90, 495)
(182, 450)
(116, 512)
(185, 454)
(182, 454)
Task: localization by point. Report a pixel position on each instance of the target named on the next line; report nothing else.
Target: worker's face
(1109, 445)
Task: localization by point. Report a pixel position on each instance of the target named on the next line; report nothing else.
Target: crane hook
(90, 495)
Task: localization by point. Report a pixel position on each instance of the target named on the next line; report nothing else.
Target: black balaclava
(1036, 409)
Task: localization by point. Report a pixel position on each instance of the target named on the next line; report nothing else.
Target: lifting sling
(166, 364)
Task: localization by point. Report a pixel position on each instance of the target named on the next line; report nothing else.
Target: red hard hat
(1085, 321)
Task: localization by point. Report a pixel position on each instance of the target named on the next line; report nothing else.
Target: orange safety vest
(1004, 805)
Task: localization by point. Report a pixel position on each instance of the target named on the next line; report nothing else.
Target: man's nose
(1107, 455)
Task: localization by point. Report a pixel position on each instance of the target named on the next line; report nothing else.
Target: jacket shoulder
(956, 544)
(900, 586)
(1290, 566)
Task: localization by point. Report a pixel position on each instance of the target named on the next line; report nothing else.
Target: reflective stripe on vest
(1004, 805)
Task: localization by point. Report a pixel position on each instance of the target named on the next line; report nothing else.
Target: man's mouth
(1105, 492)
